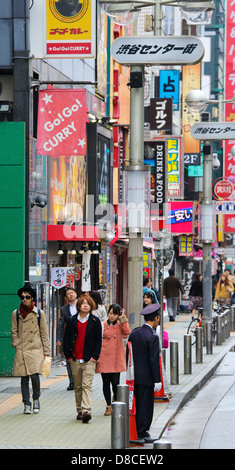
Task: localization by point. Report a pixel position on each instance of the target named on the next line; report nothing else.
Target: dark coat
(172, 286)
(93, 338)
(64, 317)
(145, 348)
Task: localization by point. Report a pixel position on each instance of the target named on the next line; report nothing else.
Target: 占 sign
(169, 86)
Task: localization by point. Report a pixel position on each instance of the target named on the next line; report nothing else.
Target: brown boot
(108, 410)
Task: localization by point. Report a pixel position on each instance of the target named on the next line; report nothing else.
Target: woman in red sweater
(82, 345)
(112, 359)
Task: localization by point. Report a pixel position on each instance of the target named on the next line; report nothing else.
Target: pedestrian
(231, 278)
(30, 339)
(171, 288)
(147, 377)
(147, 286)
(112, 359)
(82, 345)
(224, 290)
(65, 313)
(149, 298)
(195, 293)
(100, 310)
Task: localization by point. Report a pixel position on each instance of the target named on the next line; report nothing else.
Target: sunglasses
(25, 297)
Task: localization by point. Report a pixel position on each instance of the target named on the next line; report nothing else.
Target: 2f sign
(192, 159)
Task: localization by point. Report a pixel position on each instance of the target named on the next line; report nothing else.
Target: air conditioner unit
(6, 88)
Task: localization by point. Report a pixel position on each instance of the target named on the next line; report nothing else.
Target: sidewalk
(56, 427)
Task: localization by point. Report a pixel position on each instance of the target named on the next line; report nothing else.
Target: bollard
(199, 346)
(232, 308)
(162, 445)
(174, 363)
(118, 425)
(225, 325)
(187, 354)
(123, 396)
(229, 322)
(208, 337)
(204, 334)
(163, 353)
(223, 332)
(219, 330)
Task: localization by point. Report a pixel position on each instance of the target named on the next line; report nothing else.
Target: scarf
(25, 310)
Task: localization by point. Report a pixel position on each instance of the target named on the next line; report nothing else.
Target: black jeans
(25, 388)
(108, 379)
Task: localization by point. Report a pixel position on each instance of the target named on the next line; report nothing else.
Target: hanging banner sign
(159, 50)
(86, 277)
(62, 117)
(58, 277)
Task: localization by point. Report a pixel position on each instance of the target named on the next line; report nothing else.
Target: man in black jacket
(82, 345)
(147, 378)
(65, 313)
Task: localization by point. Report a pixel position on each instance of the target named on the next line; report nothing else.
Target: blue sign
(169, 86)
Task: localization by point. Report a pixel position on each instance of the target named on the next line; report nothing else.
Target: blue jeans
(25, 388)
(172, 304)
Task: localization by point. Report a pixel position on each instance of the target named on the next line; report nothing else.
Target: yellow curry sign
(70, 28)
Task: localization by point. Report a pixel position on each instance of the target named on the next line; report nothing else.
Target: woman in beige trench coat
(31, 340)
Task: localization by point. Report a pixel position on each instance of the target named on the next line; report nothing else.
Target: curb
(188, 392)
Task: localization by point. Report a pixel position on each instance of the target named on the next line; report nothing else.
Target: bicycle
(197, 322)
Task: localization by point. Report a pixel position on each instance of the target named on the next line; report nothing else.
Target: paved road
(208, 420)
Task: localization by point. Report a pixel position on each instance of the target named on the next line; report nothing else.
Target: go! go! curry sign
(157, 50)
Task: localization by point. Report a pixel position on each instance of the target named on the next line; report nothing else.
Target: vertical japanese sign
(191, 80)
(175, 173)
(70, 28)
(229, 85)
(169, 86)
(186, 245)
(161, 114)
(160, 175)
(155, 155)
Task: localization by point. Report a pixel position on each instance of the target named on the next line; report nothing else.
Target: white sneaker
(27, 409)
(36, 406)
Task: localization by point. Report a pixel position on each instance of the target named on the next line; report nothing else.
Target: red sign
(229, 78)
(62, 117)
(223, 189)
(229, 223)
(180, 217)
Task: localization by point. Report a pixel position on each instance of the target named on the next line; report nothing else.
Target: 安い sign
(159, 50)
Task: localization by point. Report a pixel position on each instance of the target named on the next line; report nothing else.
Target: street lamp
(117, 8)
(197, 102)
(164, 252)
(193, 10)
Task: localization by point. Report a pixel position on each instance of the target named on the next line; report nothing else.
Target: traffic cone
(133, 437)
(161, 396)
